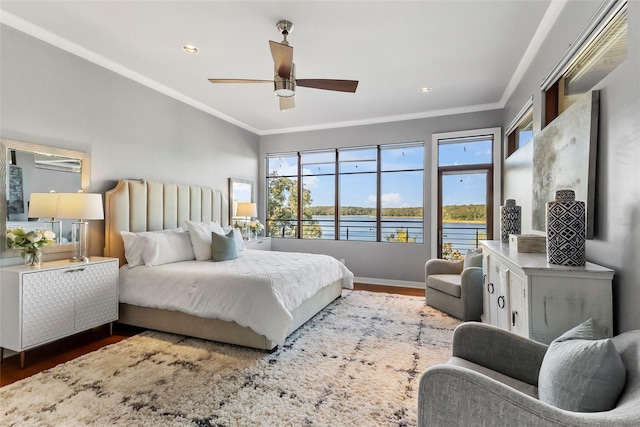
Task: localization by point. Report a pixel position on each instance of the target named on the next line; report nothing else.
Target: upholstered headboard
(151, 205)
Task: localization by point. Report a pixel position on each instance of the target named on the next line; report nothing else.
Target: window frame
(377, 171)
(552, 86)
(496, 185)
(512, 135)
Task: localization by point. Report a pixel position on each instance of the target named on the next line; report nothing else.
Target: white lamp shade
(79, 206)
(246, 209)
(43, 205)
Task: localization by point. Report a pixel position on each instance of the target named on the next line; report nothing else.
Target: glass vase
(32, 258)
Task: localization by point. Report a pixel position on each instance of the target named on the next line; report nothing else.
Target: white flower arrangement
(29, 242)
(255, 226)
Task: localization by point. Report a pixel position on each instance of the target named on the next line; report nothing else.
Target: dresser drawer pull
(501, 301)
(513, 317)
(490, 288)
(74, 270)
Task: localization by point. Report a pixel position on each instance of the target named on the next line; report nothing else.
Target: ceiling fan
(284, 80)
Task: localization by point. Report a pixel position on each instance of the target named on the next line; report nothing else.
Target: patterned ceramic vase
(566, 230)
(510, 219)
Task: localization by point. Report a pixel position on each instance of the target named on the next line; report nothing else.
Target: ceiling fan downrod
(285, 28)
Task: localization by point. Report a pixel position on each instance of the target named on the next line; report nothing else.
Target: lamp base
(79, 259)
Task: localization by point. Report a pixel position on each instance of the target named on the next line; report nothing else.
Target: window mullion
(378, 196)
(300, 198)
(336, 210)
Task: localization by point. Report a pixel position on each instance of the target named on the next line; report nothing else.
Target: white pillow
(164, 248)
(238, 236)
(134, 244)
(200, 233)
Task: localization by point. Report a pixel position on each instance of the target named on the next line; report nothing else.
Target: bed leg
(273, 350)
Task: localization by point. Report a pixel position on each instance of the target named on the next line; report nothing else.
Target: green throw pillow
(223, 247)
(581, 372)
(473, 258)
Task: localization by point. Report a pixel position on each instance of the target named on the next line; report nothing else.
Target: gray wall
(51, 97)
(392, 263)
(54, 98)
(616, 243)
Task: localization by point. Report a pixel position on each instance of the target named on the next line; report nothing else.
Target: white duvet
(258, 290)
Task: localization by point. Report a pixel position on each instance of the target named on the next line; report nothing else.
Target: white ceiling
(471, 53)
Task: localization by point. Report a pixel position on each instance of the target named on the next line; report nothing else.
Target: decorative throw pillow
(134, 244)
(164, 248)
(223, 247)
(581, 372)
(473, 258)
(200, 233)
(238, 235)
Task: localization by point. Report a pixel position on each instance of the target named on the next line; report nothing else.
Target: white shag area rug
(357, 363)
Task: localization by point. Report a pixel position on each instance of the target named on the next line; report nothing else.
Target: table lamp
(248, 211)
(80, 207)
(44, 205)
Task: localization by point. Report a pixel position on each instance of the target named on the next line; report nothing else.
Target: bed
(261, 317)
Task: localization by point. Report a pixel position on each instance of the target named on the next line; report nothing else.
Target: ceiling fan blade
(239, 81)
(287, 103)
(327, 84)
(282, 58)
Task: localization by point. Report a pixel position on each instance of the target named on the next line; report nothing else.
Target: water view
(462, 235)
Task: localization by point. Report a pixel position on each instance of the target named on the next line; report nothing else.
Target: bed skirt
(219, 330)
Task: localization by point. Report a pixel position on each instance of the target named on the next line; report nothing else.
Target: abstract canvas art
(15, 202)
(564, 157)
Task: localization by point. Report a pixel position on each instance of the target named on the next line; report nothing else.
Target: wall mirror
(27, 168)
(240, 190)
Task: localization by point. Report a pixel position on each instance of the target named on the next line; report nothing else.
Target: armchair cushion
(580, 372)
(447, 283)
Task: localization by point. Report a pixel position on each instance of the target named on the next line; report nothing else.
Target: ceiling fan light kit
(284, 81)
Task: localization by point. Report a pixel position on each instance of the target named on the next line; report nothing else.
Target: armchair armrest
(442, 266)
(499, 350)
(471, 292)
(454, 396)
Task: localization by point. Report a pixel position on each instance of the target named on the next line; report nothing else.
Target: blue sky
(400, 188)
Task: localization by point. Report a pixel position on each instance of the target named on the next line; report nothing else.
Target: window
(599, 50)
(520, 131)
(371, 193)
(282, 188)
(465, 164)
(401, 214)
(319, 184)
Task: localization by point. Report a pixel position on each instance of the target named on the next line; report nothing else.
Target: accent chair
(455, 287)
(498, 378)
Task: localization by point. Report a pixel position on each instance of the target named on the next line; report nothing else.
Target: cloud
(310, 181)
(389, 200)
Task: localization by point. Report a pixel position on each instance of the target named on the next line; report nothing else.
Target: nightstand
(61, 298)
(261, 244)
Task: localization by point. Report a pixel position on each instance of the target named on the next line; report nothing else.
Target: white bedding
(258, 290)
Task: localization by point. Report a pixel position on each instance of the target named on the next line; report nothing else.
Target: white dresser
(61, 298)
(526, 295)
(260, 244)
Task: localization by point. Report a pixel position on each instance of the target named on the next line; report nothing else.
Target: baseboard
(389, 282)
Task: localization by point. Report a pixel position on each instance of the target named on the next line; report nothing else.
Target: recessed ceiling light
(425, 90)
(189, 48)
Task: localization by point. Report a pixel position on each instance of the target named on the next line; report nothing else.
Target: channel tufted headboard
(140, 205)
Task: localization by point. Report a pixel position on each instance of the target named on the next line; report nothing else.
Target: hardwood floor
(50, 355)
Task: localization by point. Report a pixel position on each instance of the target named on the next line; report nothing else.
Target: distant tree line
(455, 213)
(362, 211)
(450, 213)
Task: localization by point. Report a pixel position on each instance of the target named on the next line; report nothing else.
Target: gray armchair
(454, 289)
(492, 380)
